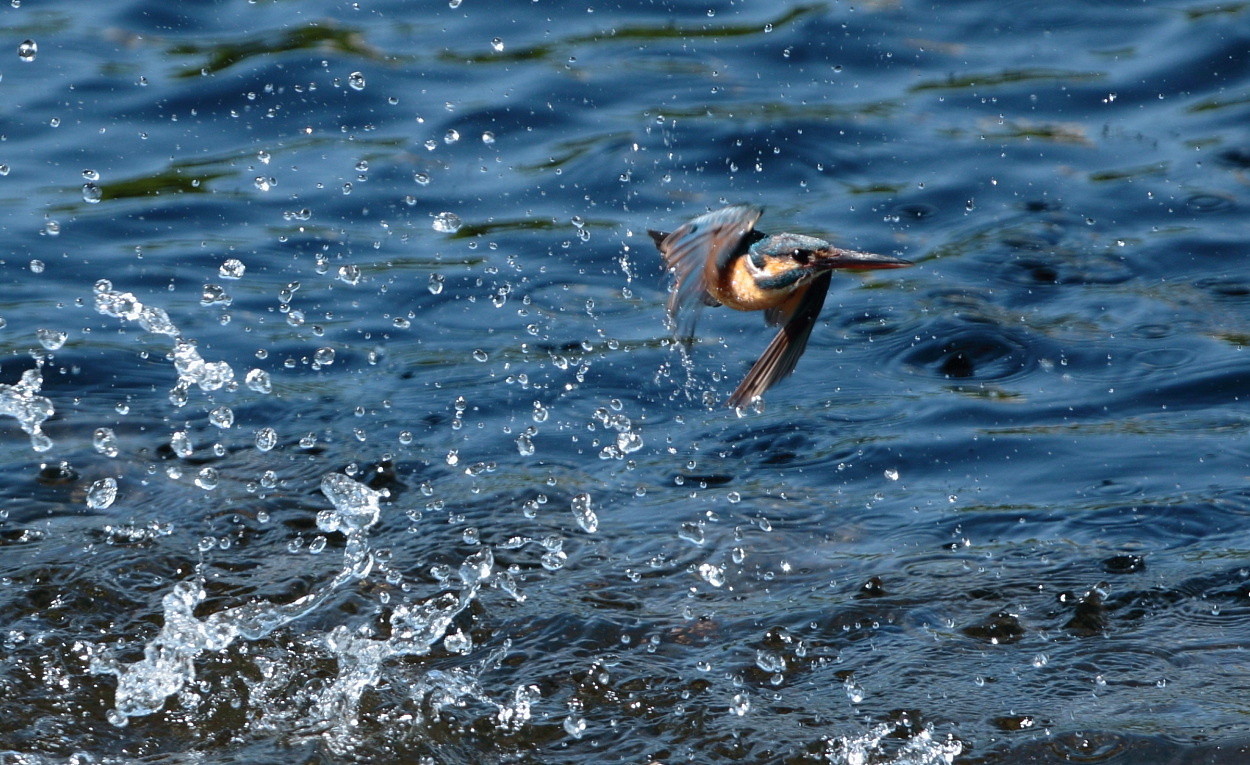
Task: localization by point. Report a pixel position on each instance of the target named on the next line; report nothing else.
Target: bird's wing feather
(787, 346)
(780, 314)
(716, 235)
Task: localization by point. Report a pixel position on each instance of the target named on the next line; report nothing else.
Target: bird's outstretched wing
(714, 236)
(787, 346)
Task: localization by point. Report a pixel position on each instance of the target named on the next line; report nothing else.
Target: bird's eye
(800, 256)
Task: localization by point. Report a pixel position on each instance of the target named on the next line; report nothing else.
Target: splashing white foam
(22, 401)
(168, 662)
(191, 366)
(871, 747)
(416, 628)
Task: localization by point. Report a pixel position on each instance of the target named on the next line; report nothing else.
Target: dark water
(998, 514)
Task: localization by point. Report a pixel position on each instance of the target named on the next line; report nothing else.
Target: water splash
(584, 514)
(416, 628)
(626, 441)
(880, 745)
(168, 663)
(23, 402)
(191, 366)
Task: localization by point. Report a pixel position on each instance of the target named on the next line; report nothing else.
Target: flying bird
(719, 258)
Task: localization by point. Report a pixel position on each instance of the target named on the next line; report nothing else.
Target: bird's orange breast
(739, 289)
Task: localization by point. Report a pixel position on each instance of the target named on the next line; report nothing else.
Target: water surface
(996, 516)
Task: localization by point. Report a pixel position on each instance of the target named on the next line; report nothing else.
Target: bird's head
(786, 261)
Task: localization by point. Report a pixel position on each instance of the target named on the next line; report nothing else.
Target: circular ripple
(1043, 268)
(870, 324)
(1164, 358)
(1153, 331)
(1236, 157)
(1042, 205)
(915, 211)
(976, 353)
(1208, 203)
(1088, 747)
(1225, 288)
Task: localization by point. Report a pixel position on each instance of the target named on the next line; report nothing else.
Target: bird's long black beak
(851, 260)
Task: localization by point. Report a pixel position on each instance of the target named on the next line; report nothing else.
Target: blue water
(997, 515)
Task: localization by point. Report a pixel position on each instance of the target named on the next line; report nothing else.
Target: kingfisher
(719, 258)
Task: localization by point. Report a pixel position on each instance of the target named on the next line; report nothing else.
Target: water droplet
(422, 179)
(266, 439)
(207, 478)
(27, 50)
(349, 274)
(497, 45)
(447, 223)
(583, 514)
(105, 442)
(215, 294)
(628, 442)
(259, 381)
(480, 355)
(232, 268)
(324, 356)
(770, 661)
(891, 474)
(488, 138)
(51, 339)
(691, 532)
(524, 445)
(436, 283)
(102, 493)
(356, 80)
(222, 417)
(713, 575)
(575, 726)
(181, 444)
(451, 136)
(91, 194)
